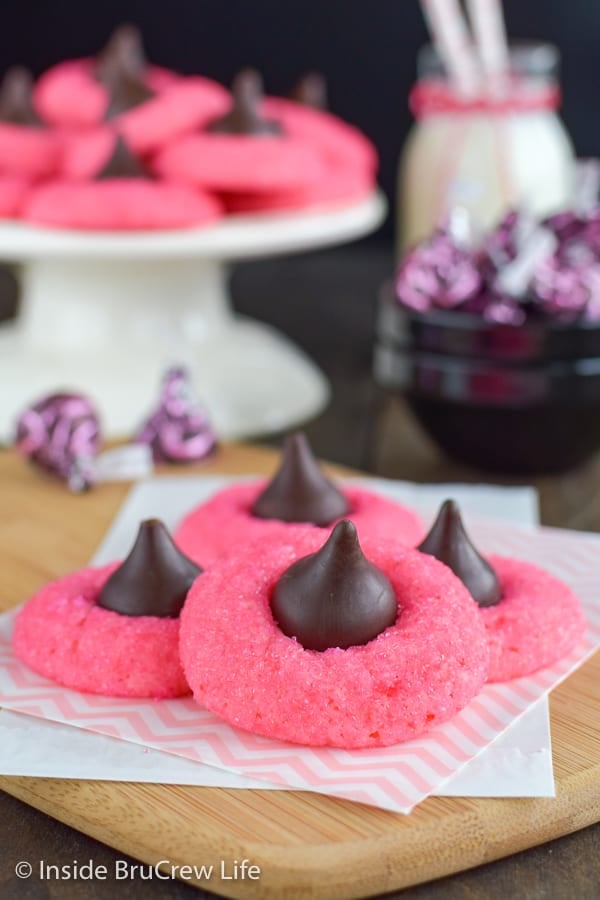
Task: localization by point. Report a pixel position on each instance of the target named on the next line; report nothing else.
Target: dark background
(366, 49)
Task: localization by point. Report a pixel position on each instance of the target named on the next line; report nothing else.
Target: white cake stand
(106, 314)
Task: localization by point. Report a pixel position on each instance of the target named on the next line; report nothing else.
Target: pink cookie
(340, 142)
(182, 108)
(339, 187)
(62, 634)
(85, 154)
(145, 128)
(13, 191)
(538, 621)
(120, 204)
(218, 527)
(412, 677)
(69, 96)
(263, 163)
(27, 151)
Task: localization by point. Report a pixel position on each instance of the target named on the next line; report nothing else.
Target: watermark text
(126, 870)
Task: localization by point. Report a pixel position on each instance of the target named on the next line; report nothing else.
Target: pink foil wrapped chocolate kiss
(567, 291)
(437, 274)
(178, 430)
(60, 433)
(504, 243)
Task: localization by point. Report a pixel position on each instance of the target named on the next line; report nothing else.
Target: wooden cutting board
(307, 846)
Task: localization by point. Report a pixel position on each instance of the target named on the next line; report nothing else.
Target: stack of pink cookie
(110, 114)
(200, 152)
(273, 154)
(303, 612)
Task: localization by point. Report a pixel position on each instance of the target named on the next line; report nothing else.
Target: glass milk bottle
(484, 153)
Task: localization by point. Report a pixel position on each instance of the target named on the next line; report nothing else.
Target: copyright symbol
(23, 869)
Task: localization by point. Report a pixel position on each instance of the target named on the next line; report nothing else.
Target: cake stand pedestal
(106, 314)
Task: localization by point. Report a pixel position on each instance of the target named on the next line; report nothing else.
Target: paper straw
(451, 37)
(487, 23)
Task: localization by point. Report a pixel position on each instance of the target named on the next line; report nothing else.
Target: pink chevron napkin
(394, 778)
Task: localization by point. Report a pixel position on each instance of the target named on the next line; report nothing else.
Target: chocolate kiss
(123, 55)
(121, 67)
(126, 93)
(448, 541)
(15, 98)
(122, 164)
(311, 90)
(299, 491)
(244, 116)
(334, 597)
(153, 580)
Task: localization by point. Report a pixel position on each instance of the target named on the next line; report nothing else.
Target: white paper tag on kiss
(514, 278)
(127, 463)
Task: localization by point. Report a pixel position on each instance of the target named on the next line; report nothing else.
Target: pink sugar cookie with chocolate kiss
(27, 148)
(298, 493)
(113, 630)
(123, 195)
(186, 106)
(350, 158)
(532, 619)
(243, 151)
(79, 93)
(306, 117)
(320, 642)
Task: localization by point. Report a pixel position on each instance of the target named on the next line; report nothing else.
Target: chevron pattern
(394, 778)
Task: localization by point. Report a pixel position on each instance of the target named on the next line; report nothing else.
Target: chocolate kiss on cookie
(123, 55)
(299, 491)
(334, 597)
(126, 93)
(448, 541)
(120, 68)
(153, 580)
(311, 91)
(15, 98)
(122, 163)
(244, 116)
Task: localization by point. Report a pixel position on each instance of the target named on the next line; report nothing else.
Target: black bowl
(483, 398)
(463, 334)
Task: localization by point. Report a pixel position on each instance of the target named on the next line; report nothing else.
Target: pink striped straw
(487, 22)
(453, 42)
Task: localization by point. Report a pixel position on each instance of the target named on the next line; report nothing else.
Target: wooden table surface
(325, 302)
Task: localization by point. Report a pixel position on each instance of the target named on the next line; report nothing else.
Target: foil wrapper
(566, 291)
(568, 226)
(521, 270)
(437, 275)
(178, 430)
(60, 433)
(591, 234)
(502, 244)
